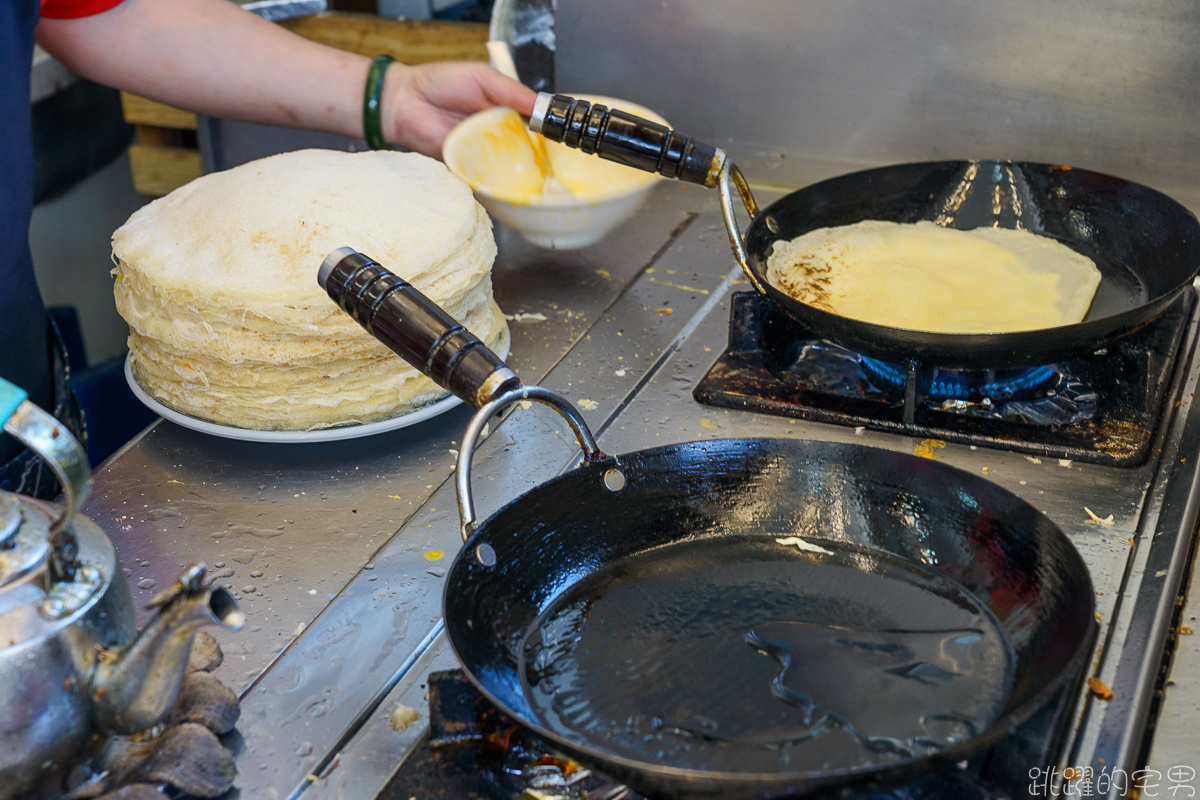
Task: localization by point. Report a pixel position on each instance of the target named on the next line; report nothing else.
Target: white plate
(290, 437)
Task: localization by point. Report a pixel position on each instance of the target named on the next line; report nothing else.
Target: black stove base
(1109, 404)
(474, 752)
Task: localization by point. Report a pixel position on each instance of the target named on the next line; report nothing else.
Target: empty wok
(744, 617)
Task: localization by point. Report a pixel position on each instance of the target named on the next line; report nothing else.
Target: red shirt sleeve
(69, 9)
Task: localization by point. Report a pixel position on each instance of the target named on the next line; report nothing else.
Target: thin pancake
(925, 277)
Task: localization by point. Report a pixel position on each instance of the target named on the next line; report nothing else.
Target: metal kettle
(71, 659)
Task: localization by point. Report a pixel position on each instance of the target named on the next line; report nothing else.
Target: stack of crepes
(217, 281)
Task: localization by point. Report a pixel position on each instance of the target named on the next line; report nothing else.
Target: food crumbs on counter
(859, 430)
(1099, 617)
(620, 373)
(1023, 483)
(1033, 459)
(1099, 688)
(311, 778)
(588, 405)
(603, 273)
(525, 317)
(1065, 462)
(1185, 630)
(1095, 520)
(1162, 573)
(300, 626)
(453, 452)
(434, 555)
(708, 423)
(984, 469)
(525, 406)
(807, 547)
(927, 447)
(402, 717)
(394, 497)
(666, 311)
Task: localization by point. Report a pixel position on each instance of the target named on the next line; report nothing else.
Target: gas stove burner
(1102, 407)
(945, 384)
(1039, 396)
(1045, 395)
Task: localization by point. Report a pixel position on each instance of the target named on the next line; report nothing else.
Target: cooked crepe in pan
(924, 277)
(217, 281)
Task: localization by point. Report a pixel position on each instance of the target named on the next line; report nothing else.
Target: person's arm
(212, 57)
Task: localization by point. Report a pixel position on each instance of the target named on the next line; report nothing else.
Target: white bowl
(605, 193)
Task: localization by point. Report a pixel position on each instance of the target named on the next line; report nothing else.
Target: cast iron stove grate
(1102, 408)
(474, 752)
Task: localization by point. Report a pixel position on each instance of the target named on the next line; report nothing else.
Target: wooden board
(158, 170)
(140, 111)
(409, 41)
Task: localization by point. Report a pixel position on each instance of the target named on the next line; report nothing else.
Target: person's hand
(421, 104)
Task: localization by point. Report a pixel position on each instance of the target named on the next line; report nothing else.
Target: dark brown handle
(415, 327)
(622, 137)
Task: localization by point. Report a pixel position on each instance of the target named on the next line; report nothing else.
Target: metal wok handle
(728, 172)
(583, 434)
(639, 143)
(428, 338)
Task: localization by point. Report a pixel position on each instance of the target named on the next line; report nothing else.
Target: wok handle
(627, 139)
(428, 338)
(731, 172)
(583, 434)
(414, 327)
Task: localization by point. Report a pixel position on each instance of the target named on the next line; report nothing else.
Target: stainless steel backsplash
(798, 90)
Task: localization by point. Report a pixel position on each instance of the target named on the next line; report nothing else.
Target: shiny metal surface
(377, 748)
(1112, 732)
(338, 551)
(284, 9)
(660, 411)
(46, 436)
(799, 90)
(46, 660)
(523, 394)
(298, 532)
(1176, 735)
(135, 688)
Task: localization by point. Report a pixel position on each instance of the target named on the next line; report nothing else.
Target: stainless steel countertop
(290, 527)
(337, 550)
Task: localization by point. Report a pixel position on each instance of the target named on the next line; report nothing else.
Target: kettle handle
(46, 436)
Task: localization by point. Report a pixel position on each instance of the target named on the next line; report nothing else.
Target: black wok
(1146, 245)
(742, 618)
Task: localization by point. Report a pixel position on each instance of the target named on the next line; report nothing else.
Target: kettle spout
(134, 687)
